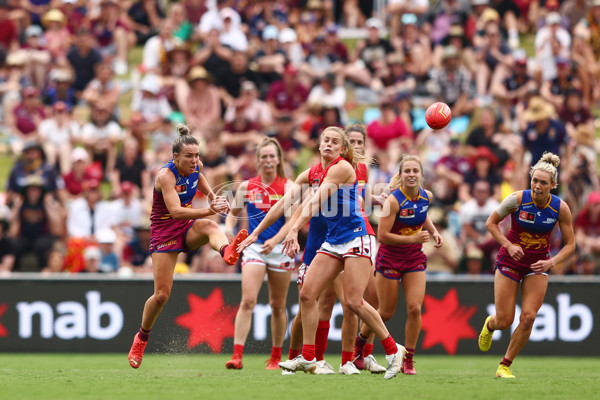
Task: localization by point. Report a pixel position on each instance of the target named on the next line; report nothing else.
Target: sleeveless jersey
(409, 221)
(260, 199)
(361, 178)
(162, 223)
(531, 228)
(342, 212)
(317, 229)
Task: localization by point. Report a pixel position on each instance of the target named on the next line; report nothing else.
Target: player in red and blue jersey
(264, 256)
(524, 256)
(175, 227)
(403, 228)
(347, 247)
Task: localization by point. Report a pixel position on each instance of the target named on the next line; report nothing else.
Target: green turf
(108, 376)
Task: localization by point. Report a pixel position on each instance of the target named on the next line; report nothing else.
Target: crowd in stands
(87, 120)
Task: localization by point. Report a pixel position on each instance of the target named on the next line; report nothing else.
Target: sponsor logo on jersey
(359, 229)
(181, 189)
(549, 221)
(406, 213)
(527, 217)
(424, 209)
(275, 197)
(195, 183)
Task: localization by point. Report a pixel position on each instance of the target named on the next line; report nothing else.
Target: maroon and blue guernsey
(531, 228)
(168, 234)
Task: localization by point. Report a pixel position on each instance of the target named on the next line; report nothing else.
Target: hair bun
(183, 129)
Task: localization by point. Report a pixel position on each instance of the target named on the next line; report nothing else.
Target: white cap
(69, 1)
(270, 32)
(106, 235)
(150, 84)
(553, 18)
(92, 253)
(287, 35)
(374, 23)
(79, 154)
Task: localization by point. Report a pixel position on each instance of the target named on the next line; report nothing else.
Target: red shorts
(513, 272)
(394, 269)
(170, 237)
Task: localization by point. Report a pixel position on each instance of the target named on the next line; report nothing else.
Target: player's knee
(162, 296)
(248, 304)
(527, 319)
(413, 310)
(501, 323)
(277, 308)
(386, 315)
(354, 304)
(306, 297)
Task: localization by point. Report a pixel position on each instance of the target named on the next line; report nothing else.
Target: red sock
(308, 352)
(276, 353)
(389, 345)
(368, 349)
(409, 353)
(346, 356)
(321, 339)
(144, 334)
(506, 362)
(238, 351)
(222, 250)
(293, 353)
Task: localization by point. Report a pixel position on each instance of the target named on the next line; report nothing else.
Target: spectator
(329, 93)
(336, 46)
(587, 226)
(9, 35)
(288, 96)
(452, 84)
(449, 174)
(156, 47)
(88, 214)
(109, 260)
(397, 82)
(388, 137)
(151, 102)
(369, 56)
(199, 101)
(416, 48)
(100, 136)
(240, 132)
(130, 167)
(81, 172)
(58, 133)
(483, 168)
(83, 58)
(27, 115)
(37, 219)
(229, 80)
(113, 36)
(74, 17)
(7, 255)
(231, 34)
(92, 256)
(32, 163)
(176, 65)
(493, 58)
(136, 254)
(485, 135)
(216, 168)
(551, 41)
(180, 18)
(213, 55)
(588, 265)
(256, 110)
(585, 63)
(60, 88)
(145, 17)
(104, 89)
(270, 58)
(35, 55)
(543, 132)
(321, 61)
(573, 112)
(580, 175)
(555, 90)
(399, 8)
(57, 36)
(293, 50)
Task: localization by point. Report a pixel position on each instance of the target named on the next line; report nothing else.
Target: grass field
(108, 376)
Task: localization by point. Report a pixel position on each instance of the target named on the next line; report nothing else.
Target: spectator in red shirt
(81, 172)
(389, 135)
(239, 132)
(587, 226)
(27, 115)
(8, 29)
(288, 96)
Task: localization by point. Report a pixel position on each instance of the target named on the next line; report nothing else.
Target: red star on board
(3, 331)
(209, 321)
(446, 322)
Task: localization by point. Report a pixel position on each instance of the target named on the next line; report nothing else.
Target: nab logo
(527, 217)
(406, 213)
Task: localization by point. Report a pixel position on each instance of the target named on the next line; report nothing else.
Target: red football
(438, 115)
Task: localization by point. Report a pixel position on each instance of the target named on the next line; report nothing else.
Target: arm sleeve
(509, 203)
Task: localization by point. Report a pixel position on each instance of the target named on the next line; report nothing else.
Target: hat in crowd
(32, 145)
(331, 29)
(437, 215)
(538, 109)
(92, 253)
(270, 32)
(456, 31)
(314, 4)
(395, 58)
(247, 86)
(374, 23)
(595, 3)
(593, 198)
(33, 30)
(480, 2)
(562, 61)
(33, 180)
(179, 45)
(553, 18)
(150, 84)
(520, 56)
(489, 14)
(69, 1)
(552, 5)
(79, 154)
(290, 70)
(319, 38)
(53, 15)
(127, 187)
(584, 135)
(474, 253)
(61, 75)
(287, 35)
(106, 235)
(198, 72)
(450, 52)
(60, 106)
(409, 19)
(484, 152)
